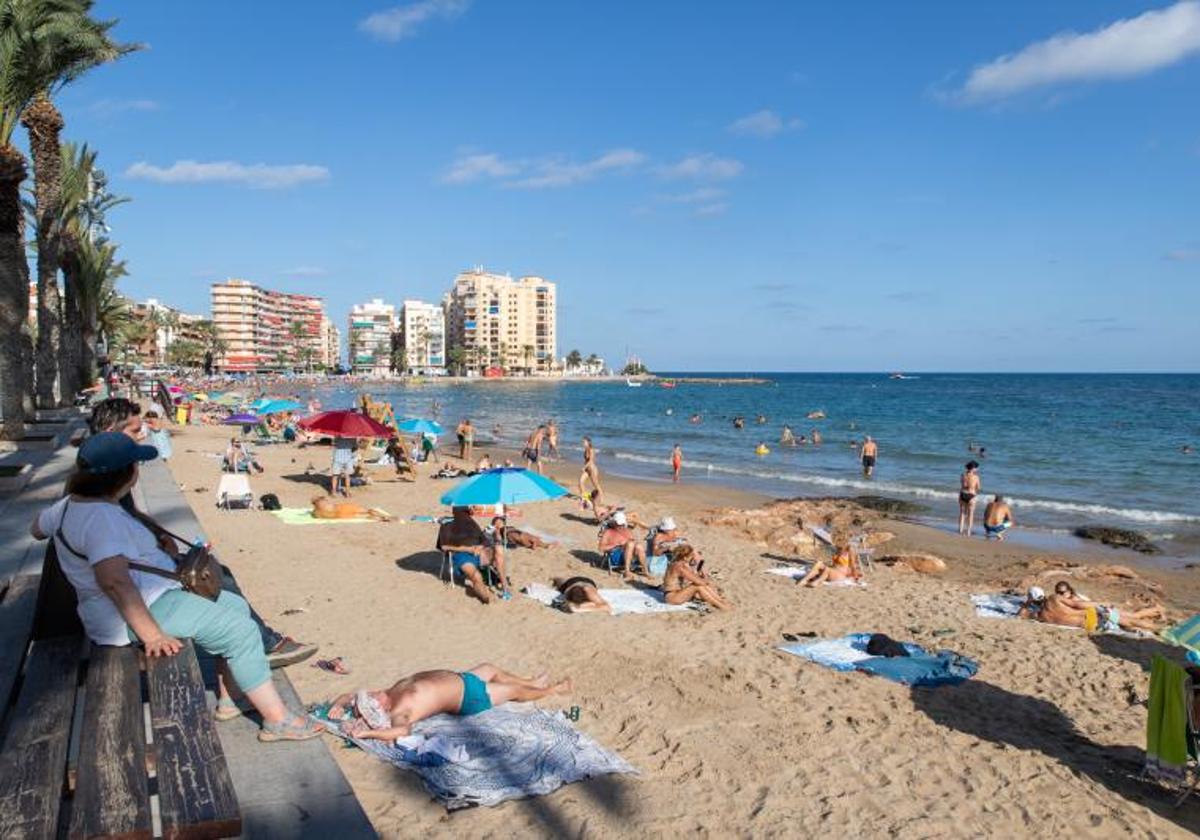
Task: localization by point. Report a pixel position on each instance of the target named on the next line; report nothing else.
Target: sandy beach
(731, 737)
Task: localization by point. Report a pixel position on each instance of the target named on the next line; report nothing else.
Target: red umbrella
(345, 423)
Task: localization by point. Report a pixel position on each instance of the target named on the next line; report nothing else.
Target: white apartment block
(503, 323)
(423, 337)
(265, 330)
(370, 338)
(331, 344)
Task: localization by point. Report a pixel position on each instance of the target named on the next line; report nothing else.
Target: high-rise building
(503, 323)
(331, 344)
(423, 337)
(265, 330)
(165, 325)
(370, 338)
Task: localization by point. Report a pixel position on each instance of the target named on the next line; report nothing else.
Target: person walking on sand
(532, 453)
(466, 439)
(969, 486)
(870, 451)
(676, 462)
(552, 438)
(590, 471)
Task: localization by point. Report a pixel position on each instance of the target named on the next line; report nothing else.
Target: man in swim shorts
(342, 466)
(870, 451)
(532, 452)
(618, 546)
(1068, 609)
(387, 714)
(470, 552)
(997, 518)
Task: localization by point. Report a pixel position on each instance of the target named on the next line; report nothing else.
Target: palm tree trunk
(15, 342)
(71, 376)
(44, 123)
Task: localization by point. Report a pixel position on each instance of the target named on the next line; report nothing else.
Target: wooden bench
(75, 758)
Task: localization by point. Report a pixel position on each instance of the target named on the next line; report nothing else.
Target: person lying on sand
(501, 532)
(685, 581)
(581, 595)
(619, 547)
(388, 714)
(1069, 610)
(470, 552)
(603, 513)
(842, 566)
(328, 507)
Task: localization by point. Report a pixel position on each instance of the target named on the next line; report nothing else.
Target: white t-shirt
(98, 531)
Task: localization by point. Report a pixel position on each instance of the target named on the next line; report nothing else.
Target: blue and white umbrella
(276, 406)
(417, 426)
(504, 486)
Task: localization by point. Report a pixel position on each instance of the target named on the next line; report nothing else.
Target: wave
(1086, 509)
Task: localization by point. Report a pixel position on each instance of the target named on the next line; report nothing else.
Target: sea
(1066, 449)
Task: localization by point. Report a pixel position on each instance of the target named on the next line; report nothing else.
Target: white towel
(438, 745)
(622, 601)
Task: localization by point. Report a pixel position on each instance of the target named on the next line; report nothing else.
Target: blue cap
(111, 451)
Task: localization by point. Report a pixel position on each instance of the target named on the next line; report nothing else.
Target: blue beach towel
(920, 667)
(511, 751)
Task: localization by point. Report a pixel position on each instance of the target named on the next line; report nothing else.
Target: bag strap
(141, 567)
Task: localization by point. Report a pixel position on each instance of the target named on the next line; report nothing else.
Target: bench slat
(16, 625)
(196, 795)
(112, 797)
(33, 762)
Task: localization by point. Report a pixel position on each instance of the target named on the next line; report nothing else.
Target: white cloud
(700, 195)
(765, 123)
(402, 22)
(258, 175)
(704, 167)
(564, 173)
(111, 107)
(474, 167)
(1126, 48)
(545, 173)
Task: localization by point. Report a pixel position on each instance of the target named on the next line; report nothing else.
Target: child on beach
(157, 435)
(676, 463)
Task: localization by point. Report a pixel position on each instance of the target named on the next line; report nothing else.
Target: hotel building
(503, 323)
(423, 337)
(265, 330)
(371, 326)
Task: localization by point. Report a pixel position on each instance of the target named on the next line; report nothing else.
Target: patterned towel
(623, 601)
(514, 751)
(996, 606)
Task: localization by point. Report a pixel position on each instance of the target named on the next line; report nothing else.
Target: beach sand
(730, 736)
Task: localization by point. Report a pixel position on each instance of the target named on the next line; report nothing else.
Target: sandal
(295, 728)
(226, 709)
(337, 665)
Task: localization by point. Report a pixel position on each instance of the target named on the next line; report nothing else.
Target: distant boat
(902, 376)
(633, 384)
(666, 384)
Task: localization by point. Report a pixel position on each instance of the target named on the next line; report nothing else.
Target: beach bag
(270, 501)
(881, 645)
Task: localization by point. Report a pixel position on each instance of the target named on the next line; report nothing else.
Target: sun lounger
(234, 493)
(919, 668)
(509, 752)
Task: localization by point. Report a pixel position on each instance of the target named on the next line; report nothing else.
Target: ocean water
(1069, 449)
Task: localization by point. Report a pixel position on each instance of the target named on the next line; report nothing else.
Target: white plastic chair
(233, 492)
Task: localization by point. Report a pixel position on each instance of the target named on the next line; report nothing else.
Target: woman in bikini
(843, 566)
(683, 582)
(581, 595)
(969, 486)
(590, 471)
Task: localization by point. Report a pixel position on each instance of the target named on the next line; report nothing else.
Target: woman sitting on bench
(98, 544)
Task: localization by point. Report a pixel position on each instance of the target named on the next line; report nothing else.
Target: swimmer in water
(695, 418)
(787, 438)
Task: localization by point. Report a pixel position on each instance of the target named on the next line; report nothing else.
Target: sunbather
(619, 547)
(470, 551)
(581, 595)
(387, 714)
(685, 581)
(500, 531)
(328, 507)
(1069, 610)
(842, 566)
(239, 459)
(666, 537)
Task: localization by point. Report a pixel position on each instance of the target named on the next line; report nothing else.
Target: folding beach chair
(1172, 743)
(234, 493)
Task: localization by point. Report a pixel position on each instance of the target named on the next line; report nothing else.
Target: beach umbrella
(504, 486)
(417, 426)
(1186, 634)
(229, 399)
(345, 423)
(241, 420)
(200, 397)
(257, 405)
(276, 406)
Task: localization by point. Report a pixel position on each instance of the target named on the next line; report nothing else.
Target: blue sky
(737, 186)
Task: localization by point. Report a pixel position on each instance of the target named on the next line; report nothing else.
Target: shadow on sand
(991, 713)
(1138, 651)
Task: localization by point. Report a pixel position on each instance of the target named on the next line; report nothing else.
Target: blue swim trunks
(464, 558)
(616, 557)
(999, 527)
(475, 695)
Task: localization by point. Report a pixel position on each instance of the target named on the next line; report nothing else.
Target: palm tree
(298, 333)
(574, 359)
(456, 360)
(103, 311)
(67, 43)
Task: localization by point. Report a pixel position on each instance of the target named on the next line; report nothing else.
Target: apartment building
(371, 326)
(502, 324)
(164, 325)
(423, 338)
(266, 330)
(331, 344)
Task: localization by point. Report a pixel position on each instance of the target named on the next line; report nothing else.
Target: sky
(760, 186)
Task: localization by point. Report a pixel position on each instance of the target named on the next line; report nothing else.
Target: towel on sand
(623, 601)
(511, 751)
(798, 572)
(303, 516)
(1167, 720)
(920, 667)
